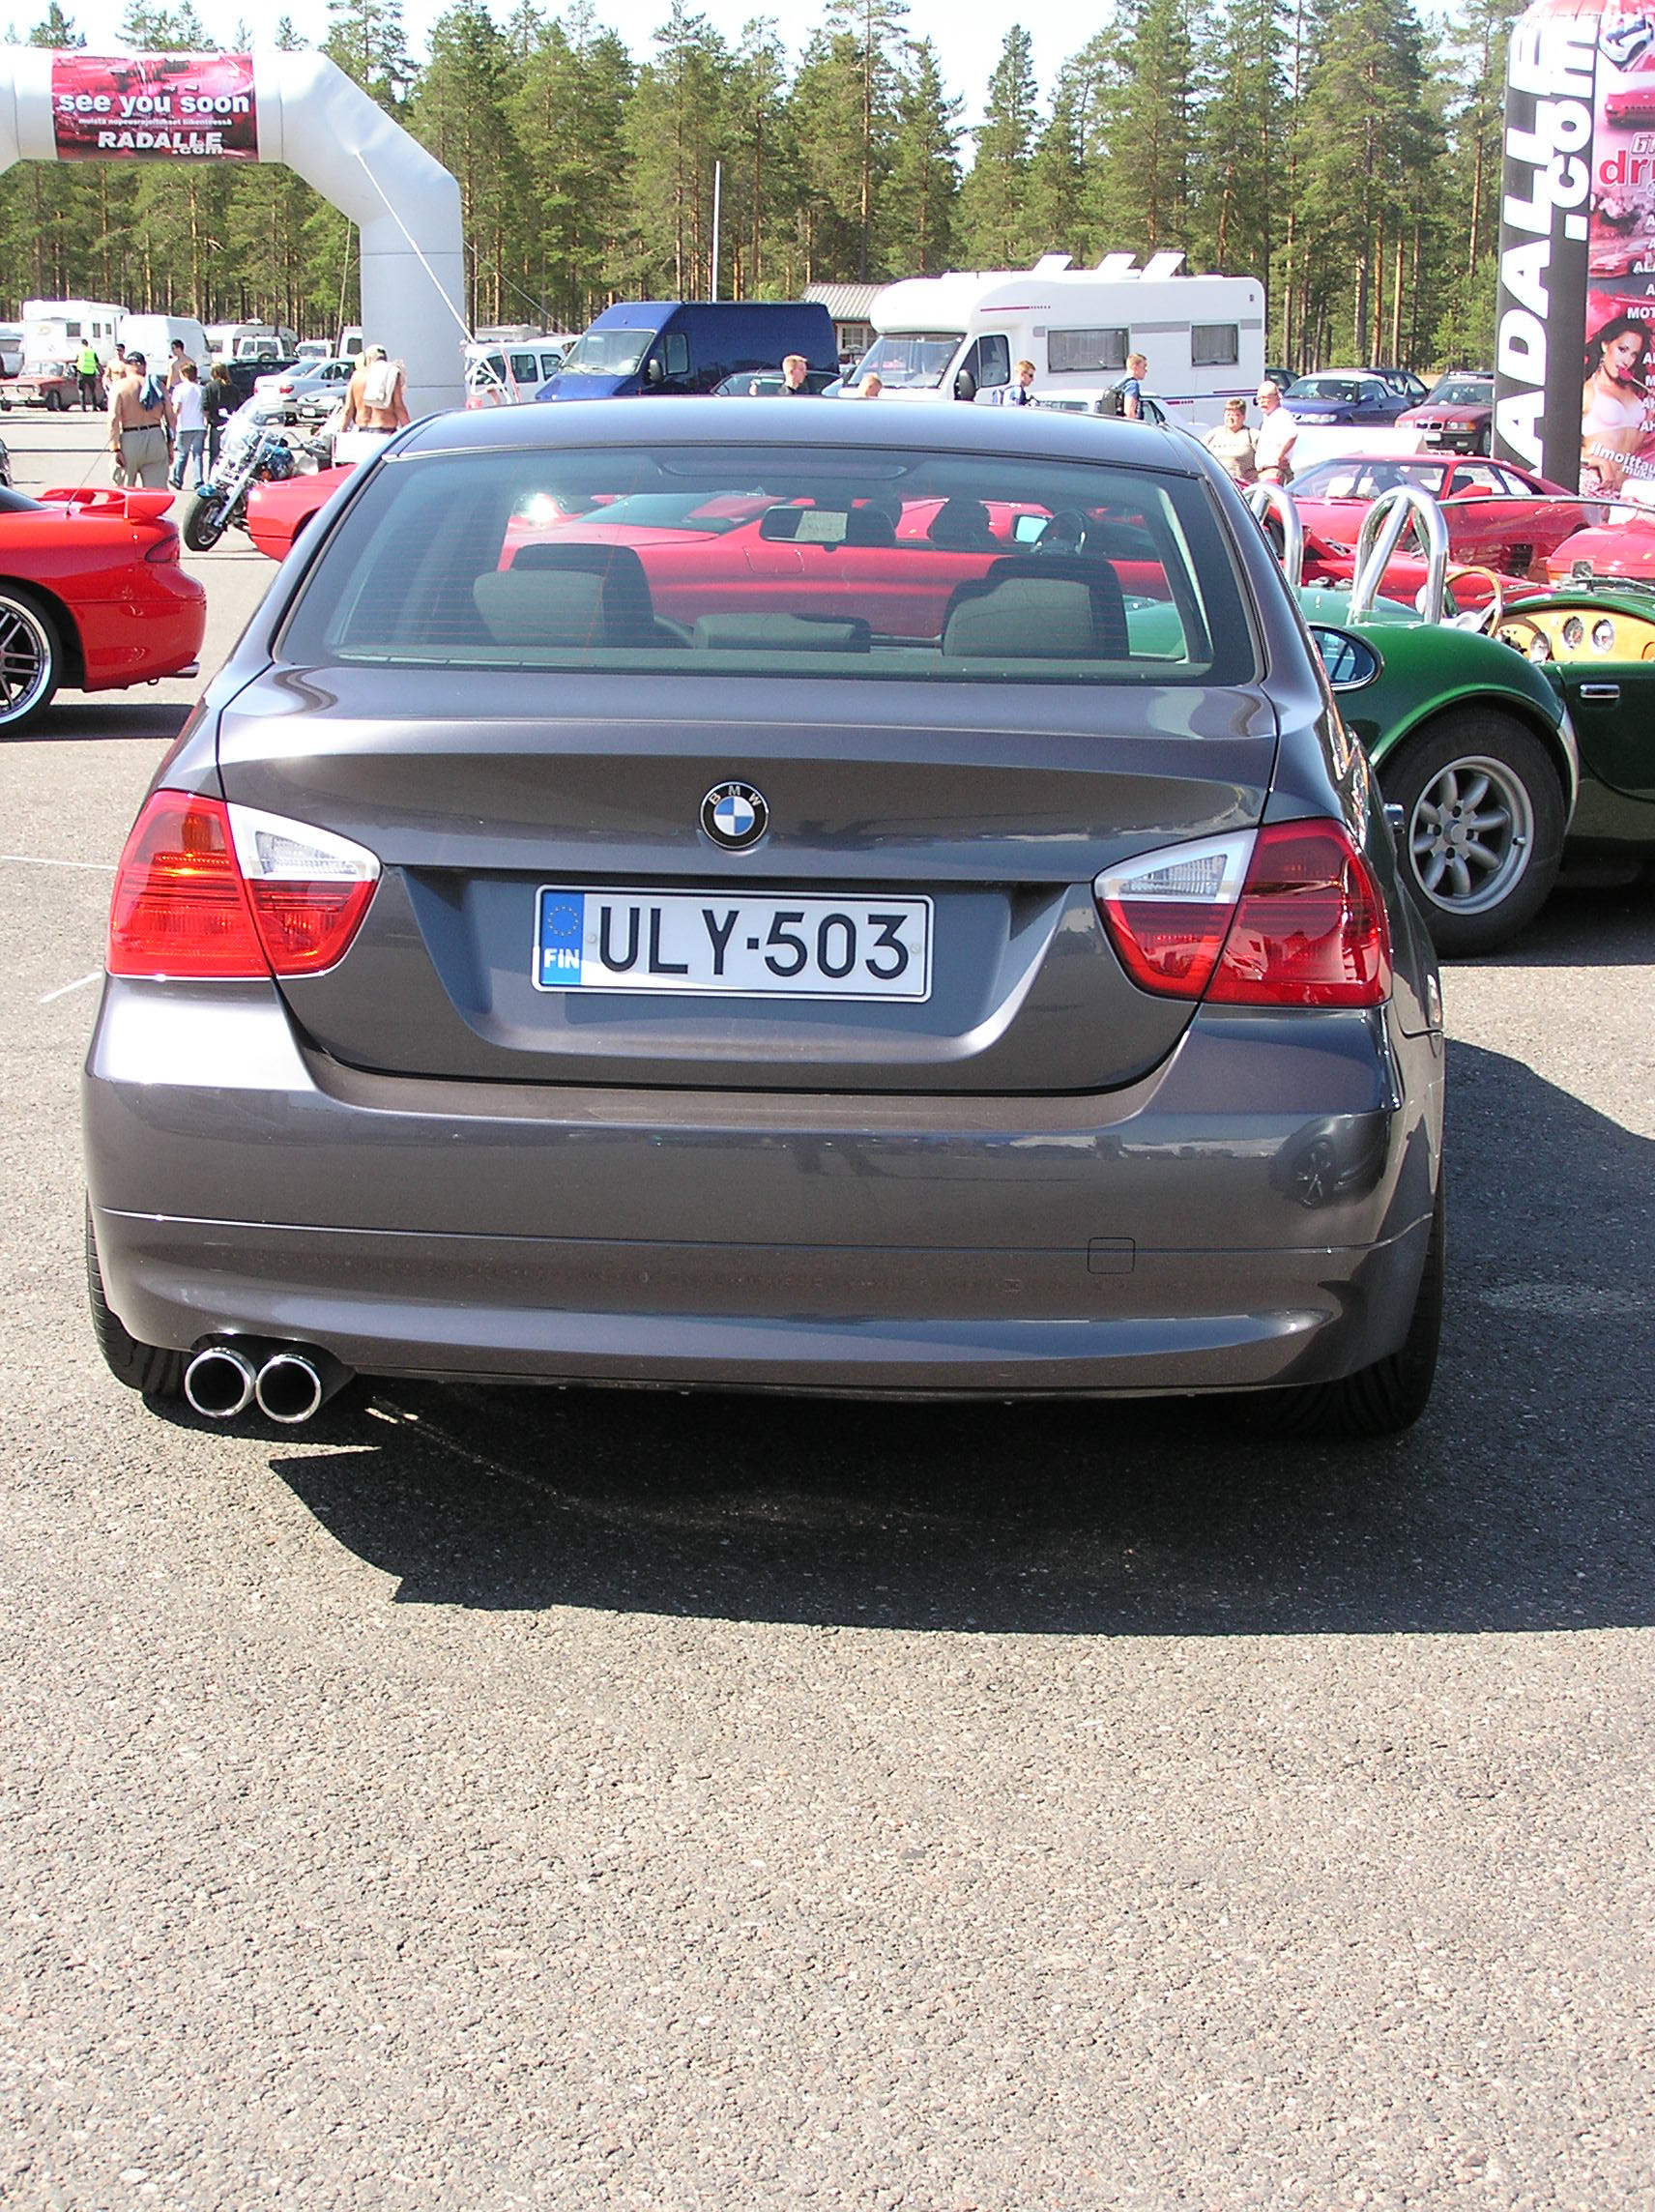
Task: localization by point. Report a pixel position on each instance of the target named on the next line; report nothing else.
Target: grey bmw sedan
(875, 900)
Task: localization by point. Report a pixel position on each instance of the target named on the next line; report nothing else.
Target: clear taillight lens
(1169, 912)
(212, 892)
(1289, 916)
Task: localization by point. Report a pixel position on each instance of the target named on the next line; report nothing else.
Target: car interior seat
(1075, 611)
(568, 595)
(962, 526)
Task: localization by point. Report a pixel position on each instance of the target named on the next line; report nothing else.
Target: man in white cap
(375, 406)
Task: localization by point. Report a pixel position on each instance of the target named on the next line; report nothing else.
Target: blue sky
(969, 34)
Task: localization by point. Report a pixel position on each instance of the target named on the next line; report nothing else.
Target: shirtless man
(367, 404)
(141, 427)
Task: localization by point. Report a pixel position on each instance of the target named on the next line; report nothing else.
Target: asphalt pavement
(581, 1798)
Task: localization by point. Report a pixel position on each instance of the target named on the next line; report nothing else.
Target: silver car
(871, 900)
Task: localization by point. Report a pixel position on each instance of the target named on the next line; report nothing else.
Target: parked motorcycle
(252, 452)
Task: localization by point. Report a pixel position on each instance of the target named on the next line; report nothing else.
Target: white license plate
(783, 944)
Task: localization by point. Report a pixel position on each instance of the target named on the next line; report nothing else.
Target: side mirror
(653, 372)
(966, 386)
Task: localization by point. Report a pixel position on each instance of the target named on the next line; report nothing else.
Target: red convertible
(92, 596)
(1499, 517)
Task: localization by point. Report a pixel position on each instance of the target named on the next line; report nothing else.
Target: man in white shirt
(1274, 442)
(191, 419)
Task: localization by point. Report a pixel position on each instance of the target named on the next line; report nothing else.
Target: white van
(959, 336)
(10, 348)
(502, 375)
(263, 341)
(57, 329)
(151, 335)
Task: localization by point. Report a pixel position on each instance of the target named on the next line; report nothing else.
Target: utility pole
(717, 205)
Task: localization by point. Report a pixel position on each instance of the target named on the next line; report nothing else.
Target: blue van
(689, 345)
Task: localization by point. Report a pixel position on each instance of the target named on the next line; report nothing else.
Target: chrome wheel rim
(25, 660)
(1472, 834)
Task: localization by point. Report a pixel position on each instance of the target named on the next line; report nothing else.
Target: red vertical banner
(146, 107)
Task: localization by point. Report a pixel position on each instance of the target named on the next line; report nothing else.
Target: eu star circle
(735, 815)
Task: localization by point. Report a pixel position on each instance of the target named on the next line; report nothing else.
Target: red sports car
(1499, 517)
(276, 513)
(1620, 542)
(92, 596)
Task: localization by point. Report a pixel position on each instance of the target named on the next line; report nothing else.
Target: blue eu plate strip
(563, 936)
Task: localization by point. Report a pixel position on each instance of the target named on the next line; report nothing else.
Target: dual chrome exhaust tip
(287, 1382)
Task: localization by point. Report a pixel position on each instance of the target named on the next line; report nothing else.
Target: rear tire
(1390, 1396)
(1483, 825)
(31, 658)
(146, 1367)
(203, 523)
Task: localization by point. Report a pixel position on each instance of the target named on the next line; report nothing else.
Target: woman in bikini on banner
(1613, 409)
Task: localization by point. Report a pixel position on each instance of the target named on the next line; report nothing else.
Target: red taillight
(207, 892)
(165, 546)
(180, 907)
(307, 926)
(1311, 930)
(1288, 916)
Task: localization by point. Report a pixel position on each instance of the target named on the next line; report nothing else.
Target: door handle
(1600, 690)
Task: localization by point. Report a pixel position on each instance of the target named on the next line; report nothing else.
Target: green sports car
(1504, 752)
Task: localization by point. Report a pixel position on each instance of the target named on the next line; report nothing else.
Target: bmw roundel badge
(735, 815)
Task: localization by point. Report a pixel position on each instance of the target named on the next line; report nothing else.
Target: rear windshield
(829, 563)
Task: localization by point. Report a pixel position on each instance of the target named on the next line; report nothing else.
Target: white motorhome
(959, 336)
(55, 330)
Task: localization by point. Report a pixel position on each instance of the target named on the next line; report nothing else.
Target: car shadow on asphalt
(1523, 1500)
(73, 722)
(1583, 925)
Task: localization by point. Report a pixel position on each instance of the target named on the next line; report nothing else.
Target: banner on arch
(142, 107)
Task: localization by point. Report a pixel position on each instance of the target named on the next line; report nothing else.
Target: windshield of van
(689, 562)
(914, 360)
(608, 353)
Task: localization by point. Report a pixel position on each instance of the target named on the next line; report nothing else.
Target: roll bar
(1381, 533)
(1267, 500)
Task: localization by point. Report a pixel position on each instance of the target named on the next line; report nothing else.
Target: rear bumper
(157, 630)
(1246, 1216)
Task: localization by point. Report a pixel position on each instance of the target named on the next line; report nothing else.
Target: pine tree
(368, 40)
(1367, 129)
(1239, 141)
(460, 114)
(994, 209)
(1140, 190)
(876, 29)
(828, 217)
(673, 127)
(924, 169)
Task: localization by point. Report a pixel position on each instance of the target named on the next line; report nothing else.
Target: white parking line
(64, 989)
(34, 861)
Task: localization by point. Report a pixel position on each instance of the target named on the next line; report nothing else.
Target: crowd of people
(162, 422)
(165, 424)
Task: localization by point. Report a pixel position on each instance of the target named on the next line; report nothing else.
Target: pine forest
(1342, 149)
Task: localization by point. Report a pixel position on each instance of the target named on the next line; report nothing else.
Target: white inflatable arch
(295, 107)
